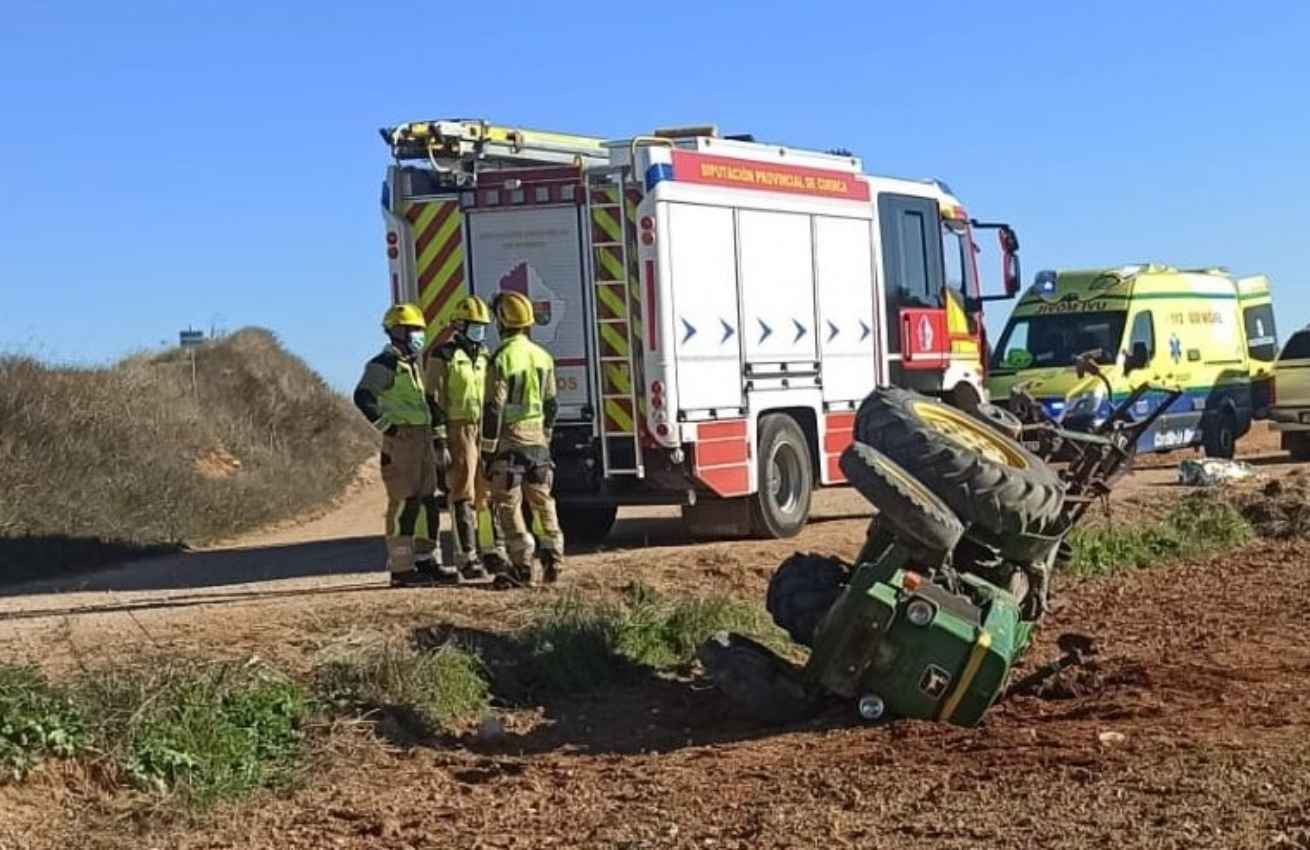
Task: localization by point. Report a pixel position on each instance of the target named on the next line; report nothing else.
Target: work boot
(436, 572)
(411, 578)
(551, 563)
(517, 576)
(473, 571)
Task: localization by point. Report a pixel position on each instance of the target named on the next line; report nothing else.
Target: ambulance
(717, 307)
(1199, 329)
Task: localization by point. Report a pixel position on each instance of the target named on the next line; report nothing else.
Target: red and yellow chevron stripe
(438, 259)
(618, 302)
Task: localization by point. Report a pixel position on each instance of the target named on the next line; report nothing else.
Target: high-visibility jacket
(457, 379)
(391, 391)
(520, 405)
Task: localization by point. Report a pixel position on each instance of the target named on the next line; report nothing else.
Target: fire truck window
(913, 281)
(953, 256)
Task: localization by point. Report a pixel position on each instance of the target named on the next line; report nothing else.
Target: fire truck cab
(717, 307)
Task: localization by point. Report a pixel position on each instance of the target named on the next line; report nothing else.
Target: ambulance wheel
(586, 523)
(1221, 437)
(913, 512)
(802, 590)
(983, 476)
(786, 478)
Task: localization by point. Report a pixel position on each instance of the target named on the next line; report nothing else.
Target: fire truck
(717, 307)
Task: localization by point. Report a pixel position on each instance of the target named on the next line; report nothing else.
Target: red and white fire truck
(717, 307)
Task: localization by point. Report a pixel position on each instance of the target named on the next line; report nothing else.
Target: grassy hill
(99, 463)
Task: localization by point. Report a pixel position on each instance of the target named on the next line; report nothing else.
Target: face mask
(416, 340)
(477, 333)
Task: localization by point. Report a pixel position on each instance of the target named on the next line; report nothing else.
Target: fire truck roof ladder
(615, 336)
(459, 145)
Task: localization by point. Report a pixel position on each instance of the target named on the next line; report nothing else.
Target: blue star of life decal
(1175, 348)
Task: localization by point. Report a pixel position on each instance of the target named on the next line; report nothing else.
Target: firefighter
(391, 395)
(456, 377)
(517, 419)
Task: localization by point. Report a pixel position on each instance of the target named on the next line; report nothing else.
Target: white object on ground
(1212, 471)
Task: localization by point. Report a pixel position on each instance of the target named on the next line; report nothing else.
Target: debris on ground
(1280, 509)
(1212, 471)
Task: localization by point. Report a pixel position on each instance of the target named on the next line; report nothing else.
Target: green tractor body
(914, 649)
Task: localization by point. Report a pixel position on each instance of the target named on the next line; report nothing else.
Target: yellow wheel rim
(962, 429)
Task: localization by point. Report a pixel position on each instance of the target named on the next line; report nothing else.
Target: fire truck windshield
(1056, 339)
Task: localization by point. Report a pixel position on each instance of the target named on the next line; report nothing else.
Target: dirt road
(1192, 729)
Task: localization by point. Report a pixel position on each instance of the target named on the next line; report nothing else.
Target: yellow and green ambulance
(1198, 329)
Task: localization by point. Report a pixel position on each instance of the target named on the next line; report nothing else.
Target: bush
(446, 687)
(37, 721)
(577, 645)
(205, 731)
(1200, 525)
(97, 463)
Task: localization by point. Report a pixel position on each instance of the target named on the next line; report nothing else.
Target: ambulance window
(1143, 331)
(1261, 335)
(1015, 348)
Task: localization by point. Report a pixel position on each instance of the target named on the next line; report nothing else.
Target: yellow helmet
(471, 309)
(514, 310)
(404, 315)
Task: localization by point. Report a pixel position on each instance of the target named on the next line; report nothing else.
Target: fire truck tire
(781, 506)
(802, 590)
(586, 523)
(983, 476)
(911, 510)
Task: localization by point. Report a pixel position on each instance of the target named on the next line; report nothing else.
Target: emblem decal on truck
(547, 307)
(925, 334)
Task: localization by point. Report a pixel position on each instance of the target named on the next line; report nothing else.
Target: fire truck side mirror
(1009, 260)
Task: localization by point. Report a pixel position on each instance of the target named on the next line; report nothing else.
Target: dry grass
(96, 463)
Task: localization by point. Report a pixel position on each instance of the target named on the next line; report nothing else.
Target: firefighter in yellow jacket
(517, 419)
(391, 394)
(456, 378)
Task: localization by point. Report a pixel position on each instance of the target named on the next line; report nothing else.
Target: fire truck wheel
(586, 523)
(913, 512)
(802, 590)
(986, 478)
(781, 506)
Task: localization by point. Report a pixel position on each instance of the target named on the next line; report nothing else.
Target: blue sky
(194, 163)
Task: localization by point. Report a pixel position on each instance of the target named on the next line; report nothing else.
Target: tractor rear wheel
(987, 479)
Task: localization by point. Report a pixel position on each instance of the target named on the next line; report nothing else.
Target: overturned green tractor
(955, 573)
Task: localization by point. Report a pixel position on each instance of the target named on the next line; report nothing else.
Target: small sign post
(191, 340)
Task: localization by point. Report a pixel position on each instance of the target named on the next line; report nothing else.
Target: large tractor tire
(802, 590)
(987, 479)
(786, 478)
(758, 681)
(587, 523)
(904, 504)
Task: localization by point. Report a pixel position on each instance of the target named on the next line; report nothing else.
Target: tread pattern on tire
(917, 515)
(802, 590)
(1001, 499)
